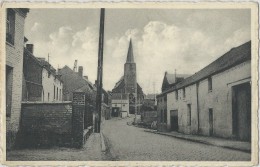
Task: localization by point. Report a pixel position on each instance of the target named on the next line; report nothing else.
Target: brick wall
(14, 59)
(45, 124)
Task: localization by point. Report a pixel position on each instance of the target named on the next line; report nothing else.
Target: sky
(163, 40)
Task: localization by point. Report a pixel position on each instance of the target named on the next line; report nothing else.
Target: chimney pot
(80, 71)
(29, 47)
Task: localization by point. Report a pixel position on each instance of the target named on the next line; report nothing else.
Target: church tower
(130, 72)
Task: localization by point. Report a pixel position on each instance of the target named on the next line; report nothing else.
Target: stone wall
(45, 124)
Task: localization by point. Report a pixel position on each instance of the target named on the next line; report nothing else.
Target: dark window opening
(10, 26)
(54, 93)
(184, 93)
(210, 84)
(189, 115)
(176, 94)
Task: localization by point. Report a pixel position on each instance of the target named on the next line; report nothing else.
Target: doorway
(241, 111)
(115, 111)
(211, 122)
(9, 84)
(174, 120)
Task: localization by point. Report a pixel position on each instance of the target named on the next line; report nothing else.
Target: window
(165, 116)
(54, 93)
(57, 94)
(161, 115)
(183, 93)
(176, 94)
(210, 84)
(165, 98)
(10, 26)
(189, 115)
(60, 94)
(48, 96)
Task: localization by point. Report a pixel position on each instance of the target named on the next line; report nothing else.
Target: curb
(103, 145)
(200, 141)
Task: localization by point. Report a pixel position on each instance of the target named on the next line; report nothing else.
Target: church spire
(130, 56)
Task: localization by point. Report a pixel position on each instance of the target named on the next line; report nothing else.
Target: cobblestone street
(130, 143)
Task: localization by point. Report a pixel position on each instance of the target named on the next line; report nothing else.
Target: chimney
(29, 47)
(80, 71)
(86, 77)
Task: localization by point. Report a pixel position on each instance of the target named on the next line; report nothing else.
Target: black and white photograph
(138, 83)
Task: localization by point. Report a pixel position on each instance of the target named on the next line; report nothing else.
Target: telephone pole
(97, 120)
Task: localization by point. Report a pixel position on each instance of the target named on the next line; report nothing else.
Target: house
(73, 81)
(14, 70)
(215, 101)
(127, 95)
(51, 82)
(169, 81)
(40, 81)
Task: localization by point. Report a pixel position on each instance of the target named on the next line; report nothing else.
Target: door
(210, 122)
(242, 112)
(9, 83)
(174, 120)
(115, 111)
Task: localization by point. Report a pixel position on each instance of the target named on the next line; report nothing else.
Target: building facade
(128, 88)
(40, 80)
(216, 101)
(169, 81)
(14, 66)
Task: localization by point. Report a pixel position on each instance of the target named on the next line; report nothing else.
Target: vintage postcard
(129, 84)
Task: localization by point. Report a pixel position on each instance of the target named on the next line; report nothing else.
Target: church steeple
(130, 55)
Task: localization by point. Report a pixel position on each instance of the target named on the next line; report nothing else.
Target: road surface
(130, 143)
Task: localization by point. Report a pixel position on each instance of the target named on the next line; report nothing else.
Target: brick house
(215, 101)
(14, 66)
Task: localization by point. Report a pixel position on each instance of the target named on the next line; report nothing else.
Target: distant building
(51, 82)
(216, 101)
(75, 81)
(127, 95)
(40, 81)
(14, 70)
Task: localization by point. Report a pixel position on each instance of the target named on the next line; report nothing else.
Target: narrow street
(130, 143)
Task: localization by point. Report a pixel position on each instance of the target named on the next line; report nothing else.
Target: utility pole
(97, 120)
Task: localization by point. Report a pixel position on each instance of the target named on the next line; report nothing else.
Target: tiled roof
(171, 77)
(233, 57)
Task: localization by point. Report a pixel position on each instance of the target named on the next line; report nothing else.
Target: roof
(72, 81)
(172, 79)
(120, 85)
(230, 59)
(130, 55)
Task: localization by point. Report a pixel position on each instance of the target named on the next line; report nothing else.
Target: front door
(174, 120)
(242, 111)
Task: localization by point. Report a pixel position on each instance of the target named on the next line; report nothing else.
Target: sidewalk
(91, 151)
(219, 142)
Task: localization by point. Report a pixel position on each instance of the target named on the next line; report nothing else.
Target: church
(127, 95)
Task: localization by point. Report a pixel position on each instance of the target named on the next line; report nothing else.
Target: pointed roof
(130, 55)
